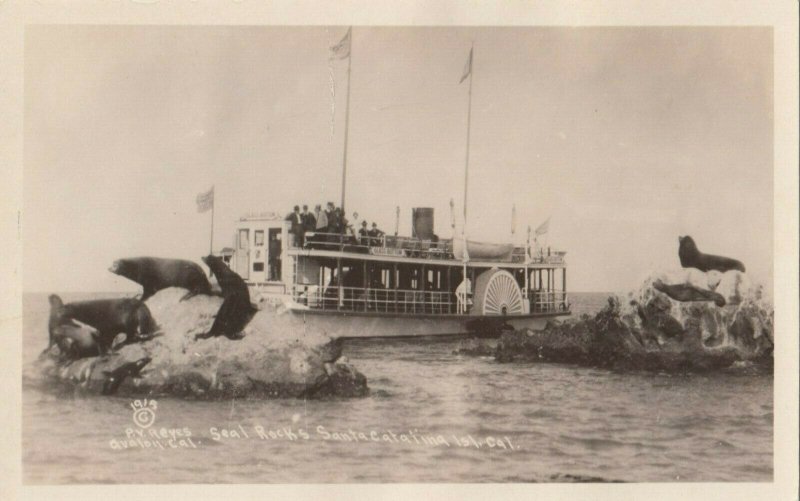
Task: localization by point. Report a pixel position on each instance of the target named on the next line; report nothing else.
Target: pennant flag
(513, 219)
(542, 229)
(205, 201)
(342, 49)
(467, 68)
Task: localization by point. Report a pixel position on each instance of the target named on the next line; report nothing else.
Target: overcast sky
(627, 137)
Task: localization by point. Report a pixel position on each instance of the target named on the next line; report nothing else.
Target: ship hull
(349, 325)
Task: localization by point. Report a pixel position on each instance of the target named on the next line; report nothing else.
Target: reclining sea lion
(154, 274)
(74, 340)
(236, 311)
(687, 292)
(108, 316)
(691, 257)
(115, 378)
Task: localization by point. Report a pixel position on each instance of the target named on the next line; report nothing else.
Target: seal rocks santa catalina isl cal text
(387, 437)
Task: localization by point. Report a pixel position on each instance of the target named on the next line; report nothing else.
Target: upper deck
(397, 275)
(399, 249)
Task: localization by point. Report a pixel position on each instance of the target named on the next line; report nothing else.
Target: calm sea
(432, 416)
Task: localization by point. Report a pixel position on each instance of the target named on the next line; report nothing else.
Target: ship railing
(545, 257)
(549, 301)
(385, 245)
(358, 299)
(335, 242)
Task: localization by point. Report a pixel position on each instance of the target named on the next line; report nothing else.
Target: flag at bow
(467, 68)
(342, 49)
(542, 229)
(205, 201)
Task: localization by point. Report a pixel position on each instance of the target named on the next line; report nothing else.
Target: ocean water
(432, 416)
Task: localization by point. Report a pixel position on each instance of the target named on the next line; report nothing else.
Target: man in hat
(375, 234)
(363, 234)
(309, 220)
(296, 229)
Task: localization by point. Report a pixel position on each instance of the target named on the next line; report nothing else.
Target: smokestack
(422, 223)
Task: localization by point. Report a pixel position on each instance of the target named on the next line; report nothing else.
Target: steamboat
(399, 286)
(392, 286)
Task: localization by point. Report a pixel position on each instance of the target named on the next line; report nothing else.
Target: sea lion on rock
(74, 341)
(686, 292)
(108, 316)
(115, 378)
(236, 310)
(154, 274)
(691, 257)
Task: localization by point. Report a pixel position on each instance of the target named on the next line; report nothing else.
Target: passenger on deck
(330, 214)
(364, 235)
(349, 229)
(375, 234)
(296, 229)
(309, 221)
(341, 221)
(274, 258)
(334, 222)
(322, 219)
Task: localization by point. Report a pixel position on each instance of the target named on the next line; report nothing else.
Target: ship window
(244, 235)
(259, 237)
(258, 266)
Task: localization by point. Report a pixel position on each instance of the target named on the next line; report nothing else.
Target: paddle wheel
(497, 293)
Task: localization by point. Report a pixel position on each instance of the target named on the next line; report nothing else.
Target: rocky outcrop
(278, 357)
(649, 331)
(608, 341)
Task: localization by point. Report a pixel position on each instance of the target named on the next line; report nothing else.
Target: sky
(625, 137)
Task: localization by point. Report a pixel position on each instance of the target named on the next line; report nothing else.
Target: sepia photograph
(352, 253)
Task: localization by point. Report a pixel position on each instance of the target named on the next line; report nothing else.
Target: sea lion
(74, 341)
(686, 292)
(154, 274)
(108, 316)
(236, 310)
(691, 257)
(115, 378)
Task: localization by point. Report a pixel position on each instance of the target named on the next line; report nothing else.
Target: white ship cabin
(258, 251)
(390, 275)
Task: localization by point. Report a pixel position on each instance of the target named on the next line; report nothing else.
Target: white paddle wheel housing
(497, 293)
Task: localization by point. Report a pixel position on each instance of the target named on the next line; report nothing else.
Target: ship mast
(347, 51)
(467, 72)
(340, 51)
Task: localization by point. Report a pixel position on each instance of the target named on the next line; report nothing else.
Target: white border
(782, 15)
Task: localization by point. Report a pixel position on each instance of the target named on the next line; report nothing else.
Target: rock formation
(278, 357)
(649, 331)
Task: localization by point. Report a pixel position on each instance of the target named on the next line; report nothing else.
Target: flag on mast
(205, 201)
(467, 67)
(342, 49)
(542, 229)
(513, 219)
